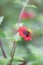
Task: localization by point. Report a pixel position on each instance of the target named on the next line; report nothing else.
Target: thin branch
(12, 53)
(14, 44)
(13, 49)
(19, 20)
(3, 50)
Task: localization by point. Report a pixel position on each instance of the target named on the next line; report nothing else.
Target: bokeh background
(31, 52)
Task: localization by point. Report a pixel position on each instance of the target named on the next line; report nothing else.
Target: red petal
(21, 29)
(21, 34)
(28, 15)
(25, 15)
(28, 38)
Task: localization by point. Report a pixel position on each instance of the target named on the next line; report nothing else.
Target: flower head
(28, 15)
(25, 33)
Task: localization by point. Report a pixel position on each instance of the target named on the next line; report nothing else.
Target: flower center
(27, 33)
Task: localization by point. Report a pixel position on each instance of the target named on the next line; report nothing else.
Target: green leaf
(19, 59)
(2, 61)
(15, 60)
(2, 34)
(1, 19)
(33, 6)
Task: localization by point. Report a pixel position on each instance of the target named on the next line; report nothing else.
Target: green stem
(3, 50)
(12, 53)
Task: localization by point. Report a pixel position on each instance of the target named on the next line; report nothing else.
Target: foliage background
(32, 51)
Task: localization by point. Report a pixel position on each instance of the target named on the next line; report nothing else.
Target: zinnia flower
(25, 33)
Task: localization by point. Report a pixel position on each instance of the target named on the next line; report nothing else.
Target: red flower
(28, 15)
(25, 33)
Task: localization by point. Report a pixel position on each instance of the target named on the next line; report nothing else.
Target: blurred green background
(31, 52)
